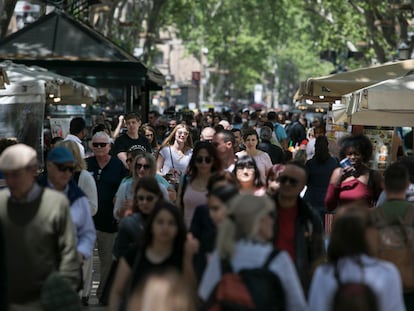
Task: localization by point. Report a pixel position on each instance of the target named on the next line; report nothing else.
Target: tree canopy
(276, 43)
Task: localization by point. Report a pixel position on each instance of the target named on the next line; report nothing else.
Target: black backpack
(249, 289)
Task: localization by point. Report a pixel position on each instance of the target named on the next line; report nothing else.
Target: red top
(286, 229)
(349, 191)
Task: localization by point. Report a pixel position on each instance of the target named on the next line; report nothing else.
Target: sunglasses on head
(138, 166)
(244, 165)
(96, 145)
(287, 179)
(64, 168)
(148, 198)
(200, 159)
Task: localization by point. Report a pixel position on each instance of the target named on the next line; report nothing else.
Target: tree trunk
(6, 13)
(152, 28)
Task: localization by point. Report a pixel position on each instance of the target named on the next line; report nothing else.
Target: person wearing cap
(77, 132)
(60, 167)
(38, 230)
(108, 172)
(130, 138)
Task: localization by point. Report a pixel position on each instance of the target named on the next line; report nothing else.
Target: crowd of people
(176, 209)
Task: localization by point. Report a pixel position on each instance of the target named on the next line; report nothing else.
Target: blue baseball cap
(60, 155)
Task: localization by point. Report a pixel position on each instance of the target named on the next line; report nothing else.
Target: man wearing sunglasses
(108, 172)
(60, 167)
(298, 228)
(38, 230)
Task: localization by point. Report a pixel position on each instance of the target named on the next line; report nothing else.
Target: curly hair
(360, 143)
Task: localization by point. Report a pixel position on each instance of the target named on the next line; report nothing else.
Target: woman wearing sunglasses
(261, 158)
(146, 194)
(143, 165)
(249, 176)
(193, 186)
(151, 135)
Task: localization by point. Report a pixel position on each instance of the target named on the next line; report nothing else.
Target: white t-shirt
(178, 162)
(382, 276)
(252, 255)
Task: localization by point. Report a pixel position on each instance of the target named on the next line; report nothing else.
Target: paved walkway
(93, 300)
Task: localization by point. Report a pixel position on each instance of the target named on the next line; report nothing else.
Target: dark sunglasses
(96, 145)
(241, 166)
(287, 179)
(138, 166)
(64, 168)
(148, 198)
(200, 159)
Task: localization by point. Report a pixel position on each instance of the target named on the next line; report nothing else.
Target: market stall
(336, 85)
(25, 93)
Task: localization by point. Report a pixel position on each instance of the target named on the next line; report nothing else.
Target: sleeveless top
(191, 200)
(354, 190)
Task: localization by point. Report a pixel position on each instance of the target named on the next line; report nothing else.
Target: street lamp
(403, 51)
(168, 80)
(203, 80)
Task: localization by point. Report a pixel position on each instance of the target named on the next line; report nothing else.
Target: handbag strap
(172, 161)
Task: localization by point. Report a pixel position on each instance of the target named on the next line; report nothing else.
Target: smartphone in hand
(345, 163)
(347, 166)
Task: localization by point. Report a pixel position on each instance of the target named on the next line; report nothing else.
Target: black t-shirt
(142, 267)
(124, 142)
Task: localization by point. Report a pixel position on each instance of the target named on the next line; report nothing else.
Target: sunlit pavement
(93, 300)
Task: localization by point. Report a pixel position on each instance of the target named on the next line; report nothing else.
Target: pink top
(191, 200)
(349, 191)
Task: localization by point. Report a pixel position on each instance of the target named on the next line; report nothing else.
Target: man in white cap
(38, 230)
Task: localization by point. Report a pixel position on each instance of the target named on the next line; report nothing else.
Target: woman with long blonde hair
(175, 153)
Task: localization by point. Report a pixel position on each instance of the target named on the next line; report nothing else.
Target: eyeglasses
(102, 145)
(98, 175)
(148, 198)
(287, 179)
(182, 133)
(138, 166)
(241, 166)
(64, 168)
(207, 159)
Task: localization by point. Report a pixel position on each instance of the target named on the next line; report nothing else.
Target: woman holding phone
(354, 181)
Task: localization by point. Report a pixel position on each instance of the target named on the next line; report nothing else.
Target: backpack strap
(225, 265)
(409, 215)
(336, 271)
(373, 186)
(76, 176)
(227, 268)
(270, 258)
